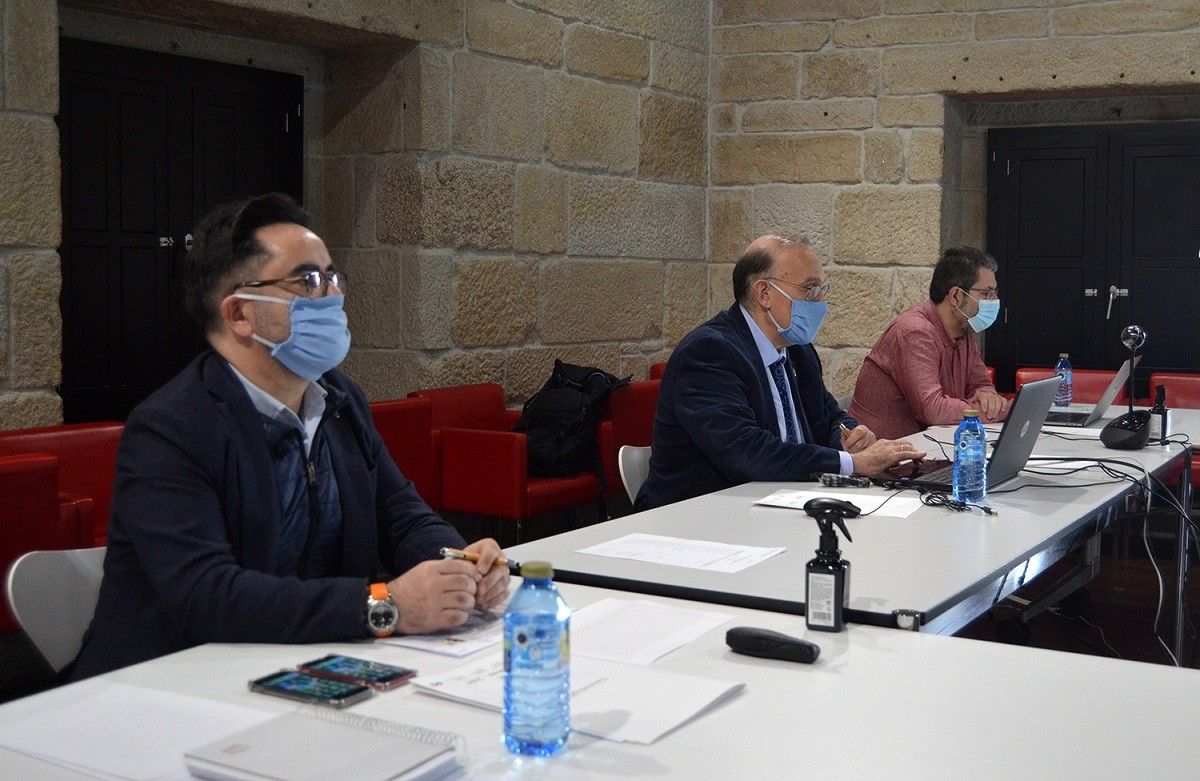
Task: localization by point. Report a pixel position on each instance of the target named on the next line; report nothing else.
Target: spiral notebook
(318, 745)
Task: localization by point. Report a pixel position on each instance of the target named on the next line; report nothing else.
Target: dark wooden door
(149, 143)
(1081, 217)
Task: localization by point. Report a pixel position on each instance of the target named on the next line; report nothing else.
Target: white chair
(634, 463)
(53, 596)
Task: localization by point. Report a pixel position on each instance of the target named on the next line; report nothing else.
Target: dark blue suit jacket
(195, 526)
(715, 425)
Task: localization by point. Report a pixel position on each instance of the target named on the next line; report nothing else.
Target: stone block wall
(30, 216)
(539, 193)
(854, 122)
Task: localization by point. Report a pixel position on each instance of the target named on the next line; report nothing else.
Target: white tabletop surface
(926, 562)
(878, 703)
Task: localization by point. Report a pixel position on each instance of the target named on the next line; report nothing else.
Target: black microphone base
(1131, 431)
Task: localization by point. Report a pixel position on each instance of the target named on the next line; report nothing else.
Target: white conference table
(939, 567)
(877, 704)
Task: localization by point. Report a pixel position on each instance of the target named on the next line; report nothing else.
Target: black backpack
(560, 421)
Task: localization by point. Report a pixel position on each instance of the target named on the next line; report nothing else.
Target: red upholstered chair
(87, 463)
(656, 370)
(1183, 390)
(32, 516)
(629, 421)
(406, 426)
(1088, 385)
(484, 463)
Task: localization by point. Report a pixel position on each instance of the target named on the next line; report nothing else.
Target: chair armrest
(511, 416)
(607, 445)
(484, 472)
(76, 528)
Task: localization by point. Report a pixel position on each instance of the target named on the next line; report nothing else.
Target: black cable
(891, 496)
(943, 499)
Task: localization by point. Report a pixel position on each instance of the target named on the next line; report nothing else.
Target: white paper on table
(637, 631)
(680, 552)
(880, 504)
(608, 700)
(483, 629)
(120, 731)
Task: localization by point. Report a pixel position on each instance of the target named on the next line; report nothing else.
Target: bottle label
(537, 646)
(821, 590)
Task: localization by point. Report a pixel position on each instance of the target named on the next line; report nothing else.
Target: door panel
(1158, 216)
(151, 142)
(1044, 187)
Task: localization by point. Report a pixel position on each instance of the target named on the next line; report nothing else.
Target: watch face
(381, 616)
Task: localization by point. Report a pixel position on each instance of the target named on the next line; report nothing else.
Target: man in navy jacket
(254, 499)
(742, 397)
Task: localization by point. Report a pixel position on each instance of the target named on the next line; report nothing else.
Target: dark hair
(223, 243)
(959, 267)
(749, 267)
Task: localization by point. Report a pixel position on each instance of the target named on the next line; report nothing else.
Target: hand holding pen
(855, 439)
(493, 565)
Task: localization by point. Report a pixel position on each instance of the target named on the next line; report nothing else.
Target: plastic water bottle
(1062, 397)
(537, 665)
(970, 459)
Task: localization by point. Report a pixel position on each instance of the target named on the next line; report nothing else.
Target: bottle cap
(1064, 355)
(537, 569)
(970, 413)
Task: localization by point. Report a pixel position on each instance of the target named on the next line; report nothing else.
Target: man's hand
(883, 454)
(493, 589)
(992, 406)
(857, 439)
(435, 595)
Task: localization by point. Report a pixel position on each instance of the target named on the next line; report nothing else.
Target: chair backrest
(406, 428)
(634, 463)
(53, 595)
(656, 370)
(478, 406)
(30, 512)
(1087, 385)
(631, 410)
(87, 460)
(1183, 390)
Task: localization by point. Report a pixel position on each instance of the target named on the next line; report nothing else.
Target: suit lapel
(766, 404)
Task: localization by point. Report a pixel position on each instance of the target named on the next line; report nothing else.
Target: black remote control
(766, 644)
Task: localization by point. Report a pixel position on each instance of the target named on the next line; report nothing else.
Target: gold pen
(457, 553)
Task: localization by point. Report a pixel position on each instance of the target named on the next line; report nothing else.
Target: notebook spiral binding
(431, 737)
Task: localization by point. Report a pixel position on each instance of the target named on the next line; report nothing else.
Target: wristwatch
(382, 613)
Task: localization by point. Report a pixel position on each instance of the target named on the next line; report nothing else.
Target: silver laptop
(1016, 440)
(1082, 419)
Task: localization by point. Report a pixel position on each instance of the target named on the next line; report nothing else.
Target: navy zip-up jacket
(195, 525)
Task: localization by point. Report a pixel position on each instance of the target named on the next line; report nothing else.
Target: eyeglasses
(990, 293)
(315, 283)
(811, 292)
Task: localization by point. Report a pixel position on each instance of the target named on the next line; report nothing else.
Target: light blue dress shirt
(312, 407)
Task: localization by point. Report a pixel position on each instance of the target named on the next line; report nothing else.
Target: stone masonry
(841, 121)
(510, 181)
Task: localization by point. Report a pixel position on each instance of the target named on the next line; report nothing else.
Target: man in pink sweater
(926, 368)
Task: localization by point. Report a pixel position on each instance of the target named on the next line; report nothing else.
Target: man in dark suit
(254, 499)
(742, 397)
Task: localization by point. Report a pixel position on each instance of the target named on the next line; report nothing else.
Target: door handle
(1113, 293)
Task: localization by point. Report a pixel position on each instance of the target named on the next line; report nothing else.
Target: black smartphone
(296, 685)
(377, 675)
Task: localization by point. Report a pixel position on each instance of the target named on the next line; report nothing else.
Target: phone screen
(349, 668)
(310, 688)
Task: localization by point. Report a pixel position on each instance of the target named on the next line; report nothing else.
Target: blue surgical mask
(805, 321)
(989, 309)
(320, 336)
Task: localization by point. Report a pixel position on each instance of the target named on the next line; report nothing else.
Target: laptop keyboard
(944, 475)
(1076, 418)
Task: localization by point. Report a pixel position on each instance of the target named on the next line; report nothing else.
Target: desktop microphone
(1130, 431)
